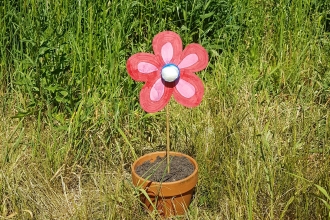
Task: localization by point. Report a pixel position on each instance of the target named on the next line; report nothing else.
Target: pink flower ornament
(169, 71)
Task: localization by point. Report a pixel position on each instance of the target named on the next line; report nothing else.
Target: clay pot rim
(144, 181)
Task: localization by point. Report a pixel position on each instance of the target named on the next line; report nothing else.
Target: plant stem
(168, 138)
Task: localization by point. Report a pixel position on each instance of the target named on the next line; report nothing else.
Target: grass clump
(71, 124)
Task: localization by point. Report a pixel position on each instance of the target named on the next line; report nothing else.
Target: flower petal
(188, 61)
(162, 44)
(143, 66)
(194, 58)
(167, 52)
(155, 95)
(157, 90)
(189, 90)
(185, 89)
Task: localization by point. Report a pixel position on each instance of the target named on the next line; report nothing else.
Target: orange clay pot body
(169, 198)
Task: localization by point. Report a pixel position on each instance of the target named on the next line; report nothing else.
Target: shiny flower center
(170, 72)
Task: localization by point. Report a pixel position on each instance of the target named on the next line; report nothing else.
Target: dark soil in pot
(156, 171)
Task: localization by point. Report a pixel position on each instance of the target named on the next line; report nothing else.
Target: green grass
(71, 125)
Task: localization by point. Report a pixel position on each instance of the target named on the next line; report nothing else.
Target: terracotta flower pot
(169, 198)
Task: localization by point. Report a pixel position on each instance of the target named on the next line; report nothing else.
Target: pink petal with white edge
(145, 67)
(167, 52)
(188, 61)
(157, 90)
(186, 89)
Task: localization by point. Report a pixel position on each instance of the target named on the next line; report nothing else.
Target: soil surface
(180, 168)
